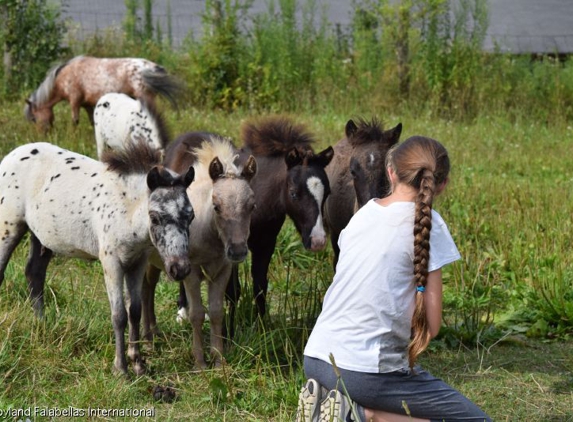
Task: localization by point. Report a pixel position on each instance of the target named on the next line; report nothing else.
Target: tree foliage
(31, 32)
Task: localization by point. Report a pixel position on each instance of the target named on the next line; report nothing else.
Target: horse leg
(134, 280)
(334, 242)
(113, 274)
(38, 260)
(90, 112)
(182, 304)
(148, 302)
(196, 314)
(75, 105)
(261, 254)
(232, 294)
(12, 234)
(217, 287)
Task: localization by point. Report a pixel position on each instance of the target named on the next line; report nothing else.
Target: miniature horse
(116, 211)
(357, 173)
(223, 202)
(119, 119)
(291, 181)
(83, 80)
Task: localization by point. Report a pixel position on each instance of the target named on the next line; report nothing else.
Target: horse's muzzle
(178, 268)
(237, 252)
(317, 243)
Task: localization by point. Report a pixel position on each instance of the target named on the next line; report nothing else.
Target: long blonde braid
(423, 164)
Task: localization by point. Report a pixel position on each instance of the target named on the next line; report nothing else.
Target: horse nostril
(179, 269)
(237, 252)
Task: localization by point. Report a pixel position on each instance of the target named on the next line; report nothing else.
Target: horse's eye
(217, 208)
(292, 194)
(354, 168)
(155, 220)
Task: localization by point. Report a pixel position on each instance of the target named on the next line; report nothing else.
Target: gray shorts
(424, 395)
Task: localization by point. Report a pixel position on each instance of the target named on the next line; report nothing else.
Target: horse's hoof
(182, 315)
(219, 363)
(120, 372)
(199, 366)
(139, 368)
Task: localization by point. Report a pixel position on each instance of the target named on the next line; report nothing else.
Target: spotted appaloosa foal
(83, 80)
(116, 211)
(119, 119)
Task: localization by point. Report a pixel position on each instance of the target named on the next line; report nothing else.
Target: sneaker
(309, 401)
(336, 407)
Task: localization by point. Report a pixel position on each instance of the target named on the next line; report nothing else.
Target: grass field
(509, 209)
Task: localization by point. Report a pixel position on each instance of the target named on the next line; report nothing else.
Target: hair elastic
(420, 289)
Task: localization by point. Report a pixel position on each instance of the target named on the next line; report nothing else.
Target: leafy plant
(31, 33)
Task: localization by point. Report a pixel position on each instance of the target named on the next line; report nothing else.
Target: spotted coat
(77, 207)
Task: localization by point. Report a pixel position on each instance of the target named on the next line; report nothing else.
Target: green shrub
(31, 33)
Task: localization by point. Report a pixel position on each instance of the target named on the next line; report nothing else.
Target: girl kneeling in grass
(385, 304)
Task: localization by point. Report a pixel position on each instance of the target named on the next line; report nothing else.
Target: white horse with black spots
(120, 120)
(116, 211)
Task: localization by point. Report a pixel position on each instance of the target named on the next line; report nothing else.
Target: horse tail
(159, 82)
(275, 136)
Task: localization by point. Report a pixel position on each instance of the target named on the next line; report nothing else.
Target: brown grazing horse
(83, 80)
(357, 173)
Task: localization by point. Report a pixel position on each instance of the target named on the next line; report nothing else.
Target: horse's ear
(250, 169)
(153, 179)
(350, 128)
(325, 157)
(216, 169)
(189, 176)
(394, 134)
(293, 158)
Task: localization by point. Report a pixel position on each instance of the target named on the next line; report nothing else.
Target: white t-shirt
(367, 311)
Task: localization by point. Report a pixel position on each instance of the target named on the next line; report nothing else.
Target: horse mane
(367, 131)
(220, 147)
(41, 95)
(275, 136)
(136, 158)
(159, 121)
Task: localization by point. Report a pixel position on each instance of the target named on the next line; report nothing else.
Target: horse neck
(200, 194)
(342, 154)
(136, 203)
(269, 185)
(52, 98)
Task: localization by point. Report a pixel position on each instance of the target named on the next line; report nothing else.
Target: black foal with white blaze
(291, 180)
(117, 211)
